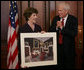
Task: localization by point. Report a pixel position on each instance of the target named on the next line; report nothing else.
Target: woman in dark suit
(30, 26)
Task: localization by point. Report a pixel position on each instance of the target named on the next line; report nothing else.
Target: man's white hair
(65, 5)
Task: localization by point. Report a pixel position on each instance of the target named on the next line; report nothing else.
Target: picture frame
(36, 56)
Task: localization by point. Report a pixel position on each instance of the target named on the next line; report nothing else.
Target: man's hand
(59, 24)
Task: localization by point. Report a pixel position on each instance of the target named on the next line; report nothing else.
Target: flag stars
(15, 6)
(15, 1)
(11, 13)
(12, 22)
(11, 17)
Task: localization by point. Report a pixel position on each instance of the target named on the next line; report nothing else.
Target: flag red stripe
(9, 22)
(16, 22)
(10, 60)
(14, 54)
(17, 66)
(13, 38)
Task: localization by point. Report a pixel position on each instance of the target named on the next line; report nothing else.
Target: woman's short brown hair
(29, 11)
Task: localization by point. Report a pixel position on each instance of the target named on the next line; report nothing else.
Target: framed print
(38, 49)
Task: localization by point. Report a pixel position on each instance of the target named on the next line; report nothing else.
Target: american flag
(12, 58)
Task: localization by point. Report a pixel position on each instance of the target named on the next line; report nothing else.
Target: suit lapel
(67, 21)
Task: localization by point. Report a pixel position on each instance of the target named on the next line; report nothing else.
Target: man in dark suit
(66, 27)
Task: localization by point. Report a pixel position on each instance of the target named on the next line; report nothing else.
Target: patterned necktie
(60, 34)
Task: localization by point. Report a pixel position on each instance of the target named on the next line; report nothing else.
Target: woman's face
(33, 18)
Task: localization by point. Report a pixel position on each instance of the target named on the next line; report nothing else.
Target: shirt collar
(65, 17)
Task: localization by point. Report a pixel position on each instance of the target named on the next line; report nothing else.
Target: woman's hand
(42, 32)
(24, 67)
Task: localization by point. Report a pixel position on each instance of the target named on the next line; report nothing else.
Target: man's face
(62, 12)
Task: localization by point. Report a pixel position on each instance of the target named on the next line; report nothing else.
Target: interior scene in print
(38, 49)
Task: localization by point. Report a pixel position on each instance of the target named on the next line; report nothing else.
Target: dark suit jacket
(27, 29)
(69, 32)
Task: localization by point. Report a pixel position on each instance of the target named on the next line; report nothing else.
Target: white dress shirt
(65, 19)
